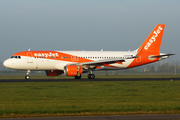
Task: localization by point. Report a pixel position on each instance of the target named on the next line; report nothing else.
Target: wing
(105, 61)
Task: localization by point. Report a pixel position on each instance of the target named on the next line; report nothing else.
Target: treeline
(159, 67)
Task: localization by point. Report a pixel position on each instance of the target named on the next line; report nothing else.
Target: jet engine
(53, 72)
(73, 70)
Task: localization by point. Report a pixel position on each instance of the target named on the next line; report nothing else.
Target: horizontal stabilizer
(163, 55)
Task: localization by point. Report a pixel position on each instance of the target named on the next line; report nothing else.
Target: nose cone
(12, 63)
(6, 63)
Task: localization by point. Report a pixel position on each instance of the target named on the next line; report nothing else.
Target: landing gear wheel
(77, 77)
(27, 77)
(91, 76)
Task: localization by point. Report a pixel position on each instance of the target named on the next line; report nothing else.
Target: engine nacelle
(53, 72)
(73, 70)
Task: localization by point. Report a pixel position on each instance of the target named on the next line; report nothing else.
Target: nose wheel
(27, 77)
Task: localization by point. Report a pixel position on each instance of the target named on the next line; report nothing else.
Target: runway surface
(86, 80)
(122, 117)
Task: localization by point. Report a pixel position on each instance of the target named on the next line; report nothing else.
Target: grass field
(28, 99)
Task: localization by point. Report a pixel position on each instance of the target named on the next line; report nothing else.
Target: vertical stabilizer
(153, 41)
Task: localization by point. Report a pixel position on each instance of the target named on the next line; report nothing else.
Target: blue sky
(112, 25)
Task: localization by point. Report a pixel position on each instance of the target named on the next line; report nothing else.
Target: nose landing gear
(27, 77)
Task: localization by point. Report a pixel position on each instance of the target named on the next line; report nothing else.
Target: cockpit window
(16, 57)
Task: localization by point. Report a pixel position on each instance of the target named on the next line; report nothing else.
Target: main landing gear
(27, 77)
(91, 76)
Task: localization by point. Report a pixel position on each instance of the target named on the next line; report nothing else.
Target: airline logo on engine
(153, 38)
(50, 54)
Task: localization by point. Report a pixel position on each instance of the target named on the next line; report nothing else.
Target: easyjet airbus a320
(75, 63)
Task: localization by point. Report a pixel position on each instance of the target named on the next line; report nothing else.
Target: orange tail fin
(153, 41)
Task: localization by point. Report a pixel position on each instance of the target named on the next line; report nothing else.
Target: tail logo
(153, 38)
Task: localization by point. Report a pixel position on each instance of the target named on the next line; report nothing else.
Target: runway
(87, 80)
(122, 117)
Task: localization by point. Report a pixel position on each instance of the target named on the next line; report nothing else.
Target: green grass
(27, 98)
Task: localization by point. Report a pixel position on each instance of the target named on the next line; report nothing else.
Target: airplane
(75, 63)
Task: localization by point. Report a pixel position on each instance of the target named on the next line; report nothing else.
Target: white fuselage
(58, 63)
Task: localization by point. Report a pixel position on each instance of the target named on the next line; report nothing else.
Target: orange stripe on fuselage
(143, 59)
(53, 55)
(119, 62)
(98, 67)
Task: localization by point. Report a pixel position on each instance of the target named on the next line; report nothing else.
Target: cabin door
(29, 57)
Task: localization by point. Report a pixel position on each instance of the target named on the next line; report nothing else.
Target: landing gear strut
(27, 77)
